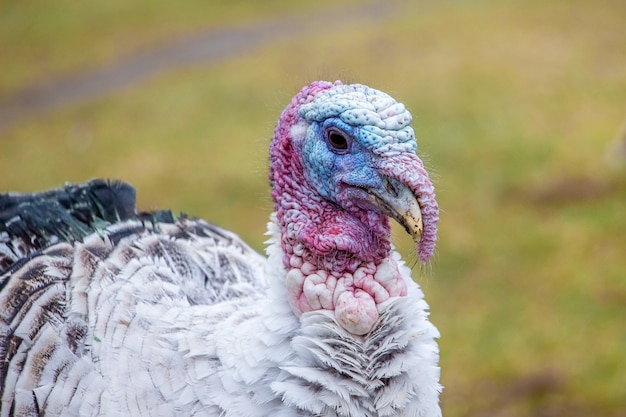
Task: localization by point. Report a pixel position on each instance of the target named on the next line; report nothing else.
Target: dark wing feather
(31, 222)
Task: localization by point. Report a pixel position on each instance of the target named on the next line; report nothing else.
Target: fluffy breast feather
(73, 314)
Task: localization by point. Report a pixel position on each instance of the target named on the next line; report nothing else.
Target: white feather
(152, 336)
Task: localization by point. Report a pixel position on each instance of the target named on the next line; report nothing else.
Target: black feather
(31, 222)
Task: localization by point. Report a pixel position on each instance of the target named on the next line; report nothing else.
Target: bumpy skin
(337, 250)
(105, 312)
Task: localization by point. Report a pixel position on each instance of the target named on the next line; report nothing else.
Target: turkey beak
(398, 202)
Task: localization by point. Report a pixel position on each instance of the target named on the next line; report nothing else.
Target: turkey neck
(336, 260)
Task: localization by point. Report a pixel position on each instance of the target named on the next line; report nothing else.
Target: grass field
(517, 107)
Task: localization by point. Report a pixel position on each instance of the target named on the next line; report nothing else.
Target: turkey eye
(337, 139)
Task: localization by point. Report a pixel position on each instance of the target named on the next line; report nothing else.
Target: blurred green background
(519, 108)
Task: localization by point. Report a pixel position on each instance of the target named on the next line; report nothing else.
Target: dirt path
(200, 49)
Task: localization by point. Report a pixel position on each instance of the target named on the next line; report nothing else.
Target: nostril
(391, 188)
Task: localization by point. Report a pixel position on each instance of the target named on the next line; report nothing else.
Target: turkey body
(108, 312)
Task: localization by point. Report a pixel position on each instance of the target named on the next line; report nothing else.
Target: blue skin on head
(340, 175)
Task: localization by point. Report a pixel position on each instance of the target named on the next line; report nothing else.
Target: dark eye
(337, 139)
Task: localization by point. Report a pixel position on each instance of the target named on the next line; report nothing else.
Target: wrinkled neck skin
(335, 259)
(325, 235)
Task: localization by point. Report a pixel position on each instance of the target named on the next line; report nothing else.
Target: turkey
(106, 311)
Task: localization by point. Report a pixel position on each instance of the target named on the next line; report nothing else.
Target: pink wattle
(354, 296)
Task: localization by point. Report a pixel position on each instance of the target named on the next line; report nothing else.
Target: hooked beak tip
(401, 204)
(412, 222)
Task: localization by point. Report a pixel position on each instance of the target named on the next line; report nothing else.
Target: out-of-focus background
(520, 112)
